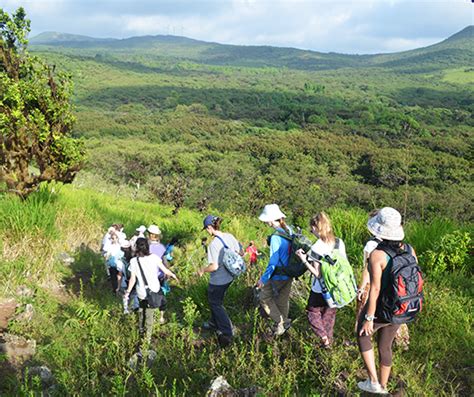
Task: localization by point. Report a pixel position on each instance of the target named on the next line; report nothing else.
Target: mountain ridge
(59, 38)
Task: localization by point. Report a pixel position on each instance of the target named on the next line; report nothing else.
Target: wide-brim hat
(387, 225)
(153, 229)
(270, 213)
(125, 244)
(141, 229)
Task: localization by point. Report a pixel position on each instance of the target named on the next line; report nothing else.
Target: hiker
(144, 270)
(253, 253)
(106, 240)
(119, 231)
(139, 232)
(275, 287)
(402, 338)
(220, 278)
(157, 248)
(376, 316)
(123, 275)
(113, 255)
(321, 317)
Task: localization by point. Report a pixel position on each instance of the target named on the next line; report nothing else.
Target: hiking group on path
(389, 296)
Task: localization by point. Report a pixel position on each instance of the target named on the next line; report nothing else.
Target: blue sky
(357, 26)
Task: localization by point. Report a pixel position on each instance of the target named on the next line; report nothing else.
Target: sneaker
(369, 387)
(282, 328)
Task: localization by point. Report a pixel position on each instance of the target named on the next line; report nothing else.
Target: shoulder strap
(143, 274)
(336, 245)
(283, 235)
(222, 241)
(390, 252)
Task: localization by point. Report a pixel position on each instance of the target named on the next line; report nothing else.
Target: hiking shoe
(282, 328)
(369, 387)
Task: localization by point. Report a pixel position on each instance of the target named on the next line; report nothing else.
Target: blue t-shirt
(279, 256)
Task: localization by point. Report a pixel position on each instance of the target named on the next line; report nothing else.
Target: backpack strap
(336, 245)
(143, 274)
(222, 241)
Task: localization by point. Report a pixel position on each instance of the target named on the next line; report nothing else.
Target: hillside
(457, 49)
(51, 266)
(162, 118)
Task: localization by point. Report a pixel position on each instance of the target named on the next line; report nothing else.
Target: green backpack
(337, 277)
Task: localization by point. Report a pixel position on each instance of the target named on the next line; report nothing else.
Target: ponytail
(216, 223)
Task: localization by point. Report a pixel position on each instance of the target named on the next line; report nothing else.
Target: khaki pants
(275, 300)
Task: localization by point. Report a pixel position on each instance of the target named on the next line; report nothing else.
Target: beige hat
(387, 225)
(141, 229)
(271, 212)
(153, 229)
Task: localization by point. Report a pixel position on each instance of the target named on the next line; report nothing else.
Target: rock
(221, 388)
(44, 373)
(7, 310)
(17, 348)
(27, 314)
(24, 291)
(136, 360)
(65, 258)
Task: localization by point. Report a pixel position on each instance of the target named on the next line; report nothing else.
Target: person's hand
(200, 272)
(367, 328)
(260, 284)
(301, 254)
(360, 293)
(126, 295)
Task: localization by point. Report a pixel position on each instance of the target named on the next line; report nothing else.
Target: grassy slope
(85, 340)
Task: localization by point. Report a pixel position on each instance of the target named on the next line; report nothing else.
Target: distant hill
(456, 50)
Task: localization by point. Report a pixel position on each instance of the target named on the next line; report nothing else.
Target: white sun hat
(153, 229)
(387, 225)
(141, 229)
(271, 212)
(125, 244)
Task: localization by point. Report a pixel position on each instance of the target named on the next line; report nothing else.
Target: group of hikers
(389, 294)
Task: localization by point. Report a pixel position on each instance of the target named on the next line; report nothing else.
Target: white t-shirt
(322, 248)
(149, 265)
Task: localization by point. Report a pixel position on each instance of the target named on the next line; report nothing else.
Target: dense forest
(206, 125)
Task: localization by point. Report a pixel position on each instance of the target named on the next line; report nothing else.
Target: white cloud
(364, 26)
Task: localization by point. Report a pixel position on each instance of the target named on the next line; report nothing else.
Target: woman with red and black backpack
(395, 296)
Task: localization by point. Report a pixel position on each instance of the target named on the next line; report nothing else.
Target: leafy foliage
(36, 116)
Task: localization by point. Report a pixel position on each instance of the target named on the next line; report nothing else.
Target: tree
(35, 114)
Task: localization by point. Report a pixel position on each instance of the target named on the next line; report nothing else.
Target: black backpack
(295, 267)
(401, 299)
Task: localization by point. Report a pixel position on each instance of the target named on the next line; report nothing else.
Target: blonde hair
(323, 225)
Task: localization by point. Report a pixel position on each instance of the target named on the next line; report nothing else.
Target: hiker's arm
(365, 277)
(313, 267)
(131, 283)
(376, 262)
(212, 267)
(275, 243)
(167, 271)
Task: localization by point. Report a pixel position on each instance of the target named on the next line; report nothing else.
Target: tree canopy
(36, 116)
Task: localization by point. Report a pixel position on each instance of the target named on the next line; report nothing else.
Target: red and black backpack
(401, 297)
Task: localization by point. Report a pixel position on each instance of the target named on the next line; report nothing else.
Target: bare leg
(369, 361)
(384, 375)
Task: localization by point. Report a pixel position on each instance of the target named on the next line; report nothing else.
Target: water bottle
(328, 298)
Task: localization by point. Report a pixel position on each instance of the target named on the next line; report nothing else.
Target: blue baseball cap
(208, 221)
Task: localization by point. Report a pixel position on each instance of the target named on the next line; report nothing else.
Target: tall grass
(87, 342)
